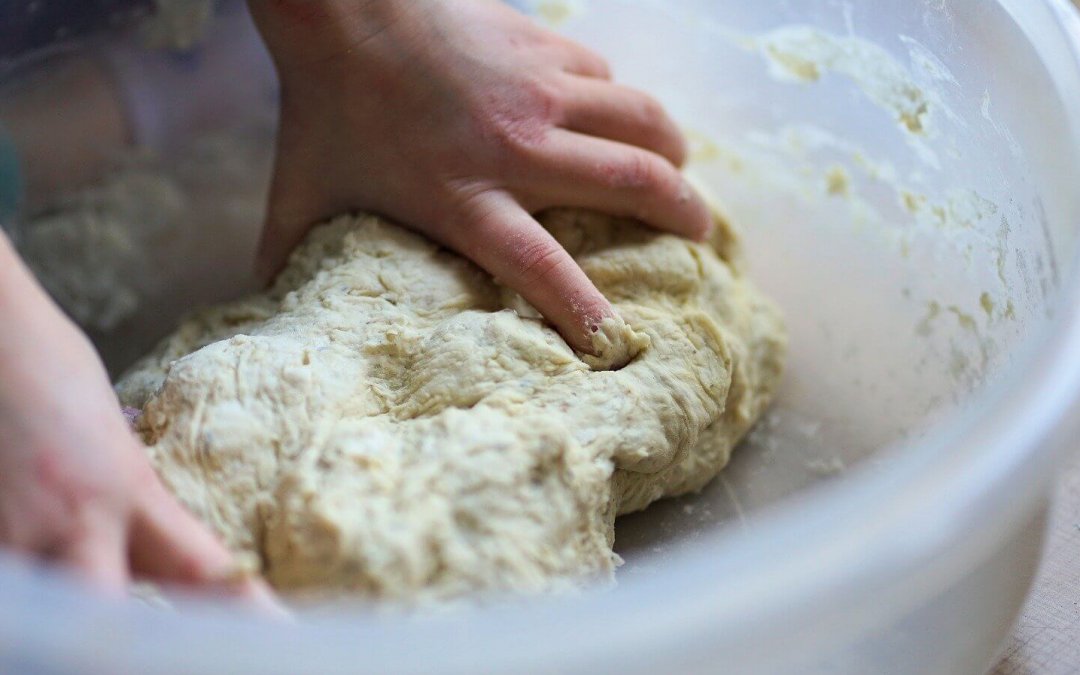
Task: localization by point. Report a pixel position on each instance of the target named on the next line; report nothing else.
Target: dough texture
(379, 421)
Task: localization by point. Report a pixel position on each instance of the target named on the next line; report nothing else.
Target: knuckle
(586, 60)
(601, 66)
(538, 261)
(638, 171)
(544, 97)
(595, 64)
(520, 122)
(472, 211)
(54, 476)
(652, 113)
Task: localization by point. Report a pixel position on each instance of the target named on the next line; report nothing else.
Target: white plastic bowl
(888, 516)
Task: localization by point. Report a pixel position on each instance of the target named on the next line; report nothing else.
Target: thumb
(168, 544)
(297, 203)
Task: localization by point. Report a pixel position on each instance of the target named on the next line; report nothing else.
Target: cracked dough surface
(380, 422)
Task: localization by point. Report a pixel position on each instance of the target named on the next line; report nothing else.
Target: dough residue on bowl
(379, 422)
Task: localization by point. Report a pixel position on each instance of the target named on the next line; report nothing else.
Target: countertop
(1047, 638)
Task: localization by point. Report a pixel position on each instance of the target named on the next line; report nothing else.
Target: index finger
(505, 240)
(168, 544)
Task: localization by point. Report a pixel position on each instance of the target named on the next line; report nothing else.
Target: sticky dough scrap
(379, 422)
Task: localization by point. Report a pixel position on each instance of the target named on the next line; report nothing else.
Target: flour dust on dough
(379, 422)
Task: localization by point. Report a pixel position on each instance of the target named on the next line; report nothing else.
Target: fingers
(258, 593)
(98, 552)
(618, 113)
(506, 241)
(90, 541)
(168, 544)
(580, 60)
(572, 169)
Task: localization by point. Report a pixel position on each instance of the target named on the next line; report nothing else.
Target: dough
(379, 422)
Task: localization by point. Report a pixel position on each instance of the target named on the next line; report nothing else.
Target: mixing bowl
(902, 172)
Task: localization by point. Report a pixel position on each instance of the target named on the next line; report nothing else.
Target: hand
(460, 119)
(76, 486)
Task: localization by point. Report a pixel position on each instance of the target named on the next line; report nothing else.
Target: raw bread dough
(378, 422)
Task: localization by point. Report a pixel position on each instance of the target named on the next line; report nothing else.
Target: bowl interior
(896, 171)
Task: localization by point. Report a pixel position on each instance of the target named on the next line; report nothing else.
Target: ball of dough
(381, 422)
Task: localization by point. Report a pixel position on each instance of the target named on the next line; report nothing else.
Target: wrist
(301, 33)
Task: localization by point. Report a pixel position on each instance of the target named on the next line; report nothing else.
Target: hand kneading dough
(379, 422)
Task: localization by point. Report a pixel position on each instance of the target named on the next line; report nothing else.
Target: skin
(76, 486)
(458, 119)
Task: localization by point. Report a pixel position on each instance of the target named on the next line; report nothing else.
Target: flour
(379, 423)
(805, 54)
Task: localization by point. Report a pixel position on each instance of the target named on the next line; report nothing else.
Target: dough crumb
(614, 344)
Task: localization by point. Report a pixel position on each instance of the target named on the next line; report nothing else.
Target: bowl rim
(786, 570)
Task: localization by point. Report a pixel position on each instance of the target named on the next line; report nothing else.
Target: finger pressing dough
(379, 421)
